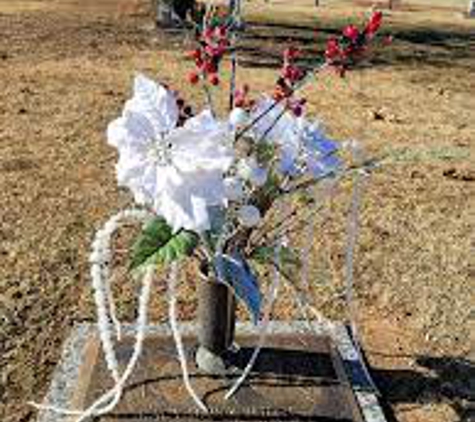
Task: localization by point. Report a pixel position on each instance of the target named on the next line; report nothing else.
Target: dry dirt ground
(65, 69)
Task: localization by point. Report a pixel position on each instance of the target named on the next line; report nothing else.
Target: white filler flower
(249, 215)
(233, 188)
(178, 171)
(248, 169)
(238, 117)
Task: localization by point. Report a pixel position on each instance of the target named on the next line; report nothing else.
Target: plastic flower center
(160, 152)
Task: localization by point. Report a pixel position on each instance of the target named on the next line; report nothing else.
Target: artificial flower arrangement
(210, 181)
(206, 183)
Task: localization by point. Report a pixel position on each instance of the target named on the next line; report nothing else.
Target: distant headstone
(392, 4)
(471, 9)
(171, 12)
(164, 13)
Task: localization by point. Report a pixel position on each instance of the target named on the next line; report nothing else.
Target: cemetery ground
(65, 71)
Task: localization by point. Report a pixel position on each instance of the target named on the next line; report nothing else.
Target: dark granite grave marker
(299, 376)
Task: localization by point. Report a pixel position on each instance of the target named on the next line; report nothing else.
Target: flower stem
(236, 19)
(272, 126)
(209, 98)
(310, 74)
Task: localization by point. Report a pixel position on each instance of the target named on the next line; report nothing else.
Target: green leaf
(153, 236)
(157, 244)
(178, 246)
(265, 152)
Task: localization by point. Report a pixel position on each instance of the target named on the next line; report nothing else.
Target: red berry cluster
(374, 23)
(241, 98)
(214, 43)
(345, 51)
(290, 74)
(297, 106)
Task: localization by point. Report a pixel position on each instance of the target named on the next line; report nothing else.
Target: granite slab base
(306, 372)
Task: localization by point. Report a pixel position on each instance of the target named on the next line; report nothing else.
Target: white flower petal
(140, 129)
(129, 168)
(155, 102)
(202, 150)
(201, 221)
(116, 132)
(185, 205)
(202, 122)
(172, 211)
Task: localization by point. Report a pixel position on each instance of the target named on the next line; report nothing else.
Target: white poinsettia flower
(178, 171)
(273, 121)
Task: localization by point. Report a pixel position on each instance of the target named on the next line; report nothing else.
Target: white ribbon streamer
(274, 289)
(172, 297)
(107, 402)
(352, 237)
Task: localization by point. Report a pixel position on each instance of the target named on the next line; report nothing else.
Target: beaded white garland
(100, 276)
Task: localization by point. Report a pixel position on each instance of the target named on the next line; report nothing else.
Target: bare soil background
(66, 68)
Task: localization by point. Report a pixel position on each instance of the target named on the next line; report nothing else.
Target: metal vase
(216, 324)
(216, 316)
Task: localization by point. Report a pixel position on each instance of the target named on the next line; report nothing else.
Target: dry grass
(64, 75)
